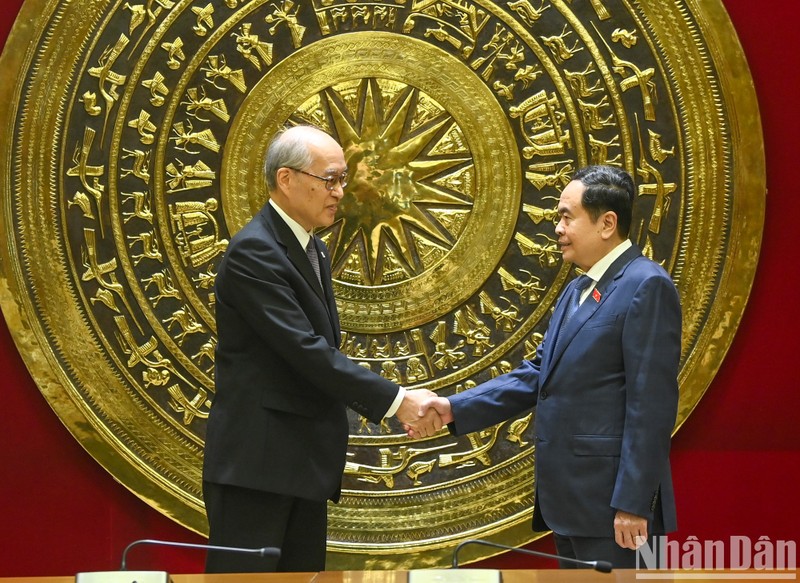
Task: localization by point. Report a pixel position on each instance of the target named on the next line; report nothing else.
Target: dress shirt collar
(302, 235)
(599, 269)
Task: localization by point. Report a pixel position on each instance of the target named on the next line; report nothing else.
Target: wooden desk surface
(508, 576)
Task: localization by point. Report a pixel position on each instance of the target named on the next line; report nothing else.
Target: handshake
(423, 413)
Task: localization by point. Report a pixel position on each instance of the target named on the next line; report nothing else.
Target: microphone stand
(125, 576)
(601, 566)
(262, 552)
(489, 575)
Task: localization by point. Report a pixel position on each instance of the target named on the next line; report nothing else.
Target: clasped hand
(422, 413)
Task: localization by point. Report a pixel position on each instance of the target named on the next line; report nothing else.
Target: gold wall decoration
(134, 135)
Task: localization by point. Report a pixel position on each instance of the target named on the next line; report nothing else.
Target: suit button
(543, 395)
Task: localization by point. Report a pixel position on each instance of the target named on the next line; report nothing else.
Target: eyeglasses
(330, 181)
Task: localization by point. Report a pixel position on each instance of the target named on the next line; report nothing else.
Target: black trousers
(595, 549)
(245, 518)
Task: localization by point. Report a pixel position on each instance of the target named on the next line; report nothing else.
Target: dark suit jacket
(278, 421)
(605, 403)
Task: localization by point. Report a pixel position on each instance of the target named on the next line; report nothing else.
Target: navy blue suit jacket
(278, 421)
(606, 403)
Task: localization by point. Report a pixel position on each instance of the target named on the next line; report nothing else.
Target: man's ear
(282, 178)
(609, 224)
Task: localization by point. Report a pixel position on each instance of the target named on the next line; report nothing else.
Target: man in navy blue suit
(604, 382)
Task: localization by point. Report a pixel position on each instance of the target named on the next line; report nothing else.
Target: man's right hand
(418, 421)
(432, 404)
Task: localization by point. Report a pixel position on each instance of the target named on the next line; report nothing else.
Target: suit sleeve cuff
(401, 393)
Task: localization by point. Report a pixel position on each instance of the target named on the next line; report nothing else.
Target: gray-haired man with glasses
(277, 432)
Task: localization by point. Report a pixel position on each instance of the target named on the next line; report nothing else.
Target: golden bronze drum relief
(134, 140)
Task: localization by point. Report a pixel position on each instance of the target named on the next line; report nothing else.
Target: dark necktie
(574, 302)
(311, 251)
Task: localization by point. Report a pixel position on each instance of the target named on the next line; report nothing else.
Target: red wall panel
(735, 460)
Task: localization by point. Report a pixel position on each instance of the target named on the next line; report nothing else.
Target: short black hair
(608, 188)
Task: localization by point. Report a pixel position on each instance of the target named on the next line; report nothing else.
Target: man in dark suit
(277, 432)
(603, 381)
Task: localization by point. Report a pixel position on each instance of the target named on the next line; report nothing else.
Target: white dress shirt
(598, 270)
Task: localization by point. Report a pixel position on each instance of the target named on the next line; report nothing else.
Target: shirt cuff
(401, 394)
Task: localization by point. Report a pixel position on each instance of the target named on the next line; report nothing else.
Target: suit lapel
(554, 331)
(295, 253)
(604, 288)
(327, 282)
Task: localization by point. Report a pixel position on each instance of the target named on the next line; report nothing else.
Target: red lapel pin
(596, 295)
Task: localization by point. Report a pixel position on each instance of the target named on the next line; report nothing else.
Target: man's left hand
(630, 530)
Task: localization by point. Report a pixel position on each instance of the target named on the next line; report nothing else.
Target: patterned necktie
(572, 306)
(311, 251)
(575, 301)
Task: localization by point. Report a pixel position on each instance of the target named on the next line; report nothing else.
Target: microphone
(125, 576)
(262, 552)
(602, 566)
